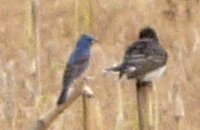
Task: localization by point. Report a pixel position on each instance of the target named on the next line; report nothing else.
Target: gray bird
(145, 59)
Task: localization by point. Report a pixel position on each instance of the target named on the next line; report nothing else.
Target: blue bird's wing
(80, 65)
(76, 66)
(72, 72)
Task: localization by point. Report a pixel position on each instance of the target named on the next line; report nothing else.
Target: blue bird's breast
(79, 61)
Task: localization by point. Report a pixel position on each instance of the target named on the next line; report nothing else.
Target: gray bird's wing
(145, 55)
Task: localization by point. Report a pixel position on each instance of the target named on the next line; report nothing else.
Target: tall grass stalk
(179, 111)
(9, 96)
(120, 116)
(36, 17)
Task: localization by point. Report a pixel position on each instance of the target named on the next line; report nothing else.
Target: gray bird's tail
(114, 69)
(119, 68)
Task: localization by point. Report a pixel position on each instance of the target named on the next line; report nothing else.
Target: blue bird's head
(86, 40)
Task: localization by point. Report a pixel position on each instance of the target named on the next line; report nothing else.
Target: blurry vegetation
(116, 24)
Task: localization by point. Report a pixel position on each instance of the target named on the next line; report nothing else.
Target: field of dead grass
(116, 24)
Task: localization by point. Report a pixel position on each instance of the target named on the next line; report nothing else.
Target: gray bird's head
(148, 32)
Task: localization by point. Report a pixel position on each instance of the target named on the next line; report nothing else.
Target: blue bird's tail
(67, 80)
(62, 97)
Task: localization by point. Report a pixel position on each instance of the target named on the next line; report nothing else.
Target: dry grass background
(116, 24)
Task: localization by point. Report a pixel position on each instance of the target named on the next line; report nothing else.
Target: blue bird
(77, 64)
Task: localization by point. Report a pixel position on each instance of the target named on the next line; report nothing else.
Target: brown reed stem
(45, 121)
(144, 92)
(88, 112)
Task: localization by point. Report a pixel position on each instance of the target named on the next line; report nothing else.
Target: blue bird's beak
(95, 40)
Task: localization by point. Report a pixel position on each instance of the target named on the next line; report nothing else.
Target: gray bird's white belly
(153, 75)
